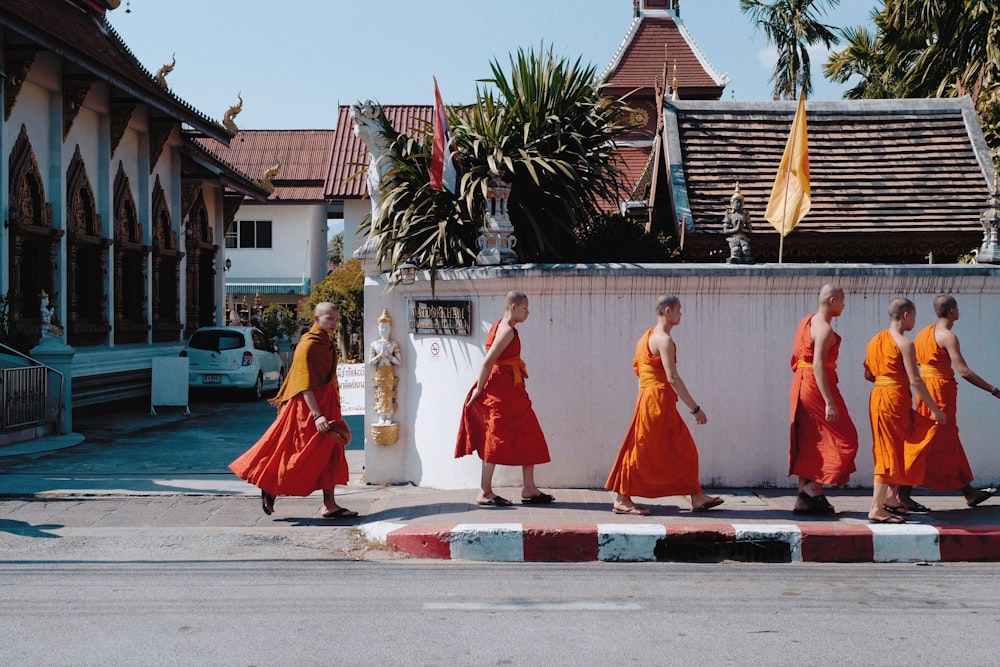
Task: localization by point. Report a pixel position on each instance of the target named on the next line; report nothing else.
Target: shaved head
(828, 291)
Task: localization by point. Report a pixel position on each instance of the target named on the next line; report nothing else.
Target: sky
(295, 61)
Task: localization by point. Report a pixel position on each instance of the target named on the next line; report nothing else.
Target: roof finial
(161, 74)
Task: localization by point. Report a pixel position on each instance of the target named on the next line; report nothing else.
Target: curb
(846, 543)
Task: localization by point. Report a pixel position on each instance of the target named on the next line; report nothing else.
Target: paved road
(409, 613)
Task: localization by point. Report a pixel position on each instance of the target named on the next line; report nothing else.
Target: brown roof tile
(304, 156)
(638, 62)
(900, 166)
(350, 156)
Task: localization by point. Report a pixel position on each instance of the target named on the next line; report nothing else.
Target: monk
(498, 422)
(944, 466)
(303, 450)
(899, 435)
(824, 440)
(658, 457)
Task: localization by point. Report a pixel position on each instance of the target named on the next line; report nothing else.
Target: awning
(254, 286)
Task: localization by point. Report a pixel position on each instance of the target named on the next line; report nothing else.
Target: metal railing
(24, 394)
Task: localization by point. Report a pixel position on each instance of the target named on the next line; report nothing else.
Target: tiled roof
(638, 62)
(906, 167)
(304, 156)
(86, 39)
(350, 156)
(201, 162)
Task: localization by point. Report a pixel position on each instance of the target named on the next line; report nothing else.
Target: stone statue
(736, 226)
(384, 356)
(370, 126)
(49, 329)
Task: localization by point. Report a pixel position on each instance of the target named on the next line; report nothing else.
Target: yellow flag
(791, 196)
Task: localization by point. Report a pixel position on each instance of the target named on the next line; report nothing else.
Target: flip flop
(339, 513)
(815, 505)
(635, 509)
(708, 504)
(496, 501)
(897, 510)
(541, 499)
(914, 506)
(984, 494)
(267, 502)
(889, 519)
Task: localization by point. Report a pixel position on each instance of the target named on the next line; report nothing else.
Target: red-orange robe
(658, 457)
(944, 464)
(821, 451)
(501, 425)
(293, 458)
(899, 434)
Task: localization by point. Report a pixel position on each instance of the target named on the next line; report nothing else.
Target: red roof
(639, 60)
(350, 156)
(304, 156)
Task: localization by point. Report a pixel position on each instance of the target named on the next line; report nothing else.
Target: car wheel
(256, 392)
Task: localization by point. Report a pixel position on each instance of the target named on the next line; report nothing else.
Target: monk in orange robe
(824, 440)
(944, 466)
(498, 422)
(303, 450)
(659, 457)
(899, 435)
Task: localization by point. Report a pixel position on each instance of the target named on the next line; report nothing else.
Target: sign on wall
(444, 318)
(351, 378)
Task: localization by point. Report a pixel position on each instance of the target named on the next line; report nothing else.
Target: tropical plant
(335, 249)
(276, 321)
(791, 27)
(344, 286)
(546, 129)
(928, 48)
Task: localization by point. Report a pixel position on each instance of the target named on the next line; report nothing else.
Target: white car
(233, 358)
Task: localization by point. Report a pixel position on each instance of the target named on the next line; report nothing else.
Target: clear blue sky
(294, 61)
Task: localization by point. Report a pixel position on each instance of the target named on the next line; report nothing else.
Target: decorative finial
(269, 176)
(231, 113)
(384, 317)
(161, 74)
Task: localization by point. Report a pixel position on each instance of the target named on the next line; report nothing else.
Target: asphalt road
(418, 613)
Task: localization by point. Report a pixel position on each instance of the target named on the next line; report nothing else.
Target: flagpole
(784, 213)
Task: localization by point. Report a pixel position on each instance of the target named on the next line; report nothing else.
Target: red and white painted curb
(812, 542)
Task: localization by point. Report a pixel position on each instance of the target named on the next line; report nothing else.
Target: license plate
(211, 379)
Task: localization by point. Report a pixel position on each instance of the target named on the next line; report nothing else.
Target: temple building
(110, 206)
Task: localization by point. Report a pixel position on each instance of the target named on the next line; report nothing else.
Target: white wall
(298, 243)
(734, 344)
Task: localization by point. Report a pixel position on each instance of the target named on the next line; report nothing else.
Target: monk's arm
(673, 377)
(954, 351)
(823, 340)
(504, 337)
(917, 385)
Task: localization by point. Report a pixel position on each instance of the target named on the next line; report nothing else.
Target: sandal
(267, 502)
(815, 505)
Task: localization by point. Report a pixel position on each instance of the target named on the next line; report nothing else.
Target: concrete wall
(734, 344)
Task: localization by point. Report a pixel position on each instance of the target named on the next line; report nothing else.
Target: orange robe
(944, 464)
(821, 451)
(899, 434)
(501, 426)
(293, 458)
(658, 457)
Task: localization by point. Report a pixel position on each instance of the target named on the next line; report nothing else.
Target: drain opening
(705, 551)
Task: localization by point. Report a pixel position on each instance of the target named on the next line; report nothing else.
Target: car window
(216, 340)
(259, 342)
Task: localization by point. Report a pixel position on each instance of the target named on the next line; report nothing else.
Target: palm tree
(791, 27)
(547, 129)
(928, 48)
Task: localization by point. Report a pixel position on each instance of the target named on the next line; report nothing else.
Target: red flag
(443, 173)
(791, 196)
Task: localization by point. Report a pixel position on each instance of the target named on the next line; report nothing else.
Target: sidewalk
(140, 481)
